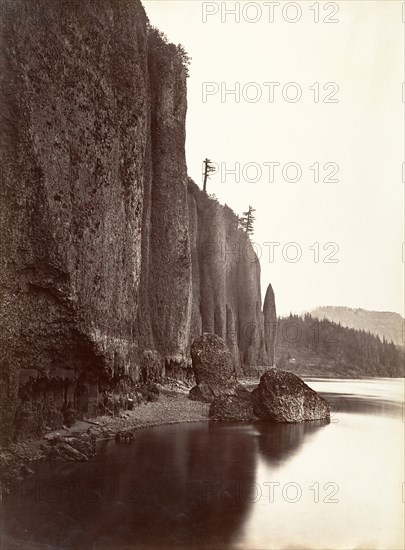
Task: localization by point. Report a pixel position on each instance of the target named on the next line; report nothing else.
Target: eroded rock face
(152, 369)
(283, 397)
(76, 119)
(213, 368)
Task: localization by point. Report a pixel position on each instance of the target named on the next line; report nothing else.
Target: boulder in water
(283, 397)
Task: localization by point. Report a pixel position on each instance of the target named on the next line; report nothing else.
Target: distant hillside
(383, 323)
(310, 346)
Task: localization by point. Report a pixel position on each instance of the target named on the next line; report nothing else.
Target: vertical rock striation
(226, 282)
(112, 261)
(164, 318)
(270, 324)
(75, 119)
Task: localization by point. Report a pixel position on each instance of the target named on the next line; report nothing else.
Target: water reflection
(279, 441)
(362, 405)
(179, 486)
(183, 486)
(375, 396)
(205, 485)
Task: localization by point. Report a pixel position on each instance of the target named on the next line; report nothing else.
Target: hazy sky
(358, 132)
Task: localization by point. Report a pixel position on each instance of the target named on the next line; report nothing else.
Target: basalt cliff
(112, 260)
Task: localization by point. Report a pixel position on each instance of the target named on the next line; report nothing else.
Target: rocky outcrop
(213, 368)
(236, 407)
(280, 397)
(113, 262)
(270, 324)
(283, 397)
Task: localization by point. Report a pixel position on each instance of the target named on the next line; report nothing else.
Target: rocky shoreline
(284, 397)
(79, 443)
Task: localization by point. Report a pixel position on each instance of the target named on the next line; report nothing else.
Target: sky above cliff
(300, 105)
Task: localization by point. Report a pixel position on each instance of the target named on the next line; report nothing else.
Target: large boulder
(283, 397)
(236, 406)
(201, 392)
(213, 368)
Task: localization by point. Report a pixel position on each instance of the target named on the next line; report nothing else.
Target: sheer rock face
(163, 322)
(75, 113)
(226, 296)
(108, 249)
(283, 397)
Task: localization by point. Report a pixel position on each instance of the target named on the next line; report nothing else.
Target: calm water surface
(336, 485)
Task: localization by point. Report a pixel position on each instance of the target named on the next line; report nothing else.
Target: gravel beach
(78, 443)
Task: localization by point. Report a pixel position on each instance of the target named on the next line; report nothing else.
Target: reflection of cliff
(186, 486)
(112, 261)
(279, 440)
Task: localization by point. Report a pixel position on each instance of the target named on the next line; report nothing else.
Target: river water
(336, 485)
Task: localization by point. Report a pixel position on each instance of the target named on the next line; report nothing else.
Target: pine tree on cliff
(208, 169)
(246, 221)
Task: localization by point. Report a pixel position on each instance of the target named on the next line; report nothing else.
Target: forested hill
(383, 323)
(319, 347)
